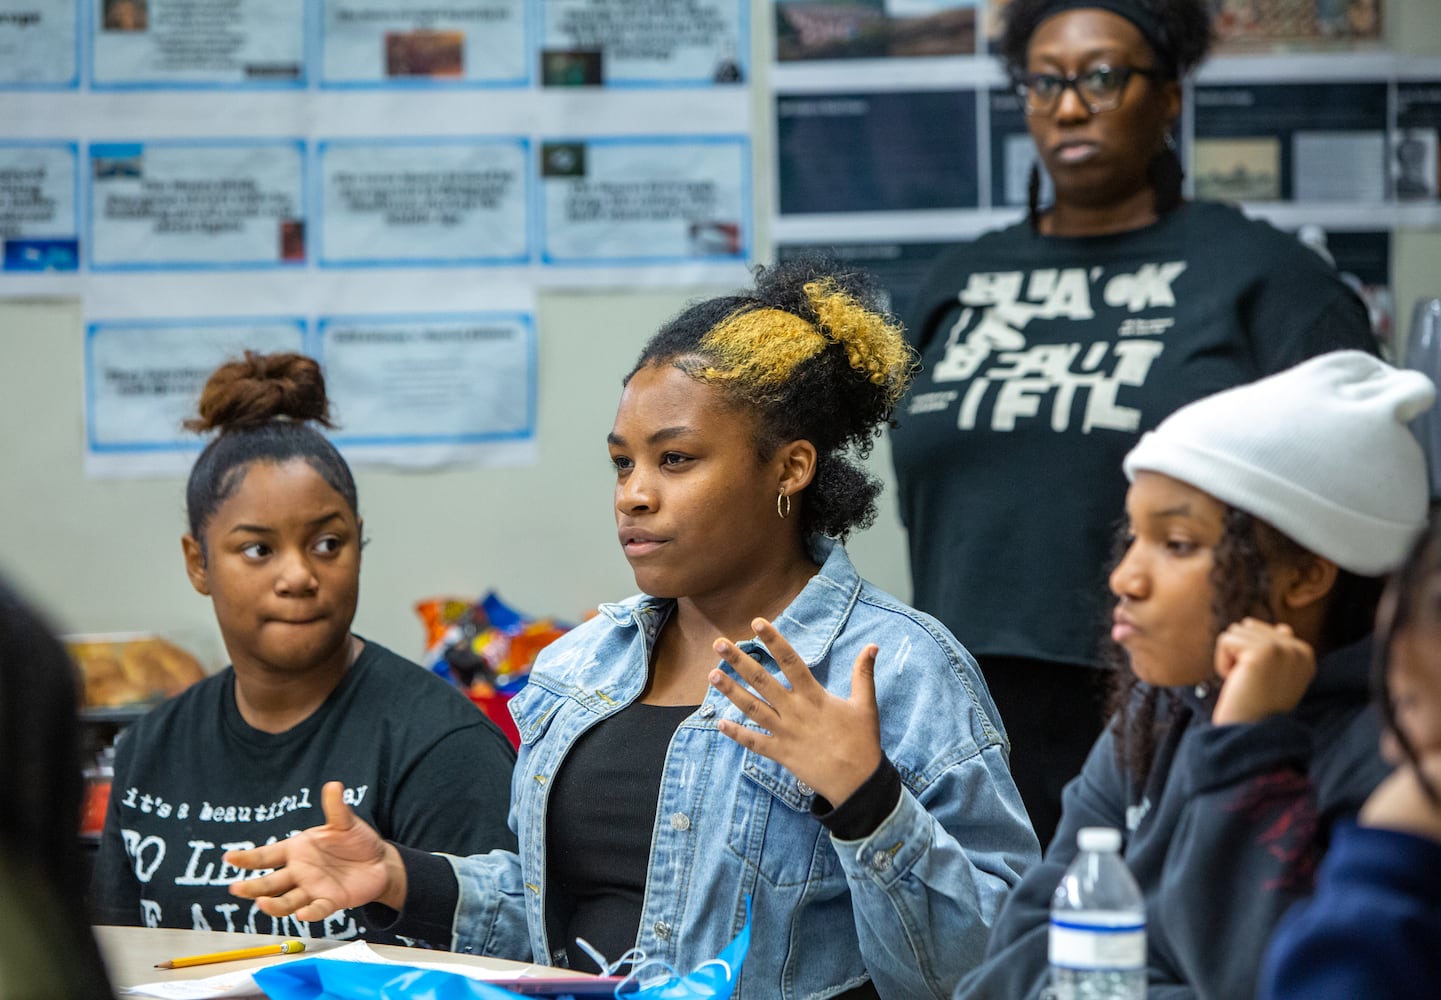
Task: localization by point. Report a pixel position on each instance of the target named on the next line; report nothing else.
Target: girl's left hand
(832, 744)
(1264, 671)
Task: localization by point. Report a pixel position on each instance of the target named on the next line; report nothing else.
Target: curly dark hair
(1185, 28)
(813, 354)
(265, 407)
(1402, 606)
(1241, 582)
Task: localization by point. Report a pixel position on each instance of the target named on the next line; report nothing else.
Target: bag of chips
(485, 648)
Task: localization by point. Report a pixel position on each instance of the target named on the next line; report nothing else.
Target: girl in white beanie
(1259, 522)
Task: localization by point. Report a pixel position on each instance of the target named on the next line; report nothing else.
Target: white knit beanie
(1321, 452)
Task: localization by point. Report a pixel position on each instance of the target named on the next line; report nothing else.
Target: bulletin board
(383, 184)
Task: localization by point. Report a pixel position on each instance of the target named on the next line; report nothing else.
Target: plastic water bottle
(1098, 924)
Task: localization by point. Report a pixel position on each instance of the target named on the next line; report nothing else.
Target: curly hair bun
(259, 388)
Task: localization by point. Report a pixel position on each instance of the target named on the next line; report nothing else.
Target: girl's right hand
(1264, 671)
(341, 864)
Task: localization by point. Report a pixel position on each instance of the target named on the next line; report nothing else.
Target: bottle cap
(1098, 838)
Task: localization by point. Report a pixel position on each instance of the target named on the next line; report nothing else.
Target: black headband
(1137, 13)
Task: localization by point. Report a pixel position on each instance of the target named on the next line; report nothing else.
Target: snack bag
(486, 649)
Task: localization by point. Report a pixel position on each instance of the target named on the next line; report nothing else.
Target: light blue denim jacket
(909, 906)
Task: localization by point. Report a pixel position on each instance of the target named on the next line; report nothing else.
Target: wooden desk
(131, 953)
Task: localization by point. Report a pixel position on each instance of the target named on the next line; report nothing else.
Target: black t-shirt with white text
(419, 762)
(1044, 359)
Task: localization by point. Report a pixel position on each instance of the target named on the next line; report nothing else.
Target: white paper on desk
(242, 984)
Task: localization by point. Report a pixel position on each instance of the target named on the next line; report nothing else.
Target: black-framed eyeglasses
(1100, 87)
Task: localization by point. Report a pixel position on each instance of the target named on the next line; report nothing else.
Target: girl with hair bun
(873, 825)
(239, 758)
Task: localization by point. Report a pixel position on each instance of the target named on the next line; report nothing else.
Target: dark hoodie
(1226, 834)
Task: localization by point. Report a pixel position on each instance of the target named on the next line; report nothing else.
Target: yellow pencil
(284, 948)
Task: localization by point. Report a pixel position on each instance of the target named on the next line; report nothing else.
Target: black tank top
(601, 816)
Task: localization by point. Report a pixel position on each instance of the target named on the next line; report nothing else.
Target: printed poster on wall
(382, 183)
(452, 383)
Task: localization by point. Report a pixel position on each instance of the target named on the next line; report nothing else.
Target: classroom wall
(104, 555)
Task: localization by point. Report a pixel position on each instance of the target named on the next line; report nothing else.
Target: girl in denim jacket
(678, 755)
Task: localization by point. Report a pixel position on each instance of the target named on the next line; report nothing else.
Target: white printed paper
(242, 984)
(635, 199)
(623, 43)
(199, 43)
(38, 191)
(442, 201)
(430, 380)
(400, 43)
(39, 42)
(143, 380)
(197, 204)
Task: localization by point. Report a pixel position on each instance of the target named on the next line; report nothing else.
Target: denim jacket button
(804, 789)
(662, 929)
(706, 711)
(880, 860)
(680, 821)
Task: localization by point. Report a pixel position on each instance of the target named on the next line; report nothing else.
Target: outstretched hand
(341, 864)
(832, 744)
(1264, 671)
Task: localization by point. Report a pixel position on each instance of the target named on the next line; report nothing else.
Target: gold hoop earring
(783, 512)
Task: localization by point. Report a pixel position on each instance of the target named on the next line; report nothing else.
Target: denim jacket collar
(810, 623)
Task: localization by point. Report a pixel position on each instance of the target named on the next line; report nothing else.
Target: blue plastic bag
(334, 979)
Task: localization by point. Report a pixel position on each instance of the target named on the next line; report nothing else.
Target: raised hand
(832, 744)
(1264, 671)
(340, 864)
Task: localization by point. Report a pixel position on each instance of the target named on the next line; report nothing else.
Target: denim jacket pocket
(535, 706)
(772, 829)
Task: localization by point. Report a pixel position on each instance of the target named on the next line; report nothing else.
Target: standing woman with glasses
(1049, 347)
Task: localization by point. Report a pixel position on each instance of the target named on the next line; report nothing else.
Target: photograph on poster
(1248, 25)
(239, 43)
(1257, 26)
(620, 43)
(392, 43)
(1330, 139)
(628, 198)
(873, 29)
(424, 53)
(39, 44)
(877, 152)
(1237, 169)
(1415, 161)
(38, 218)
(125, 15)
(572, 68)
